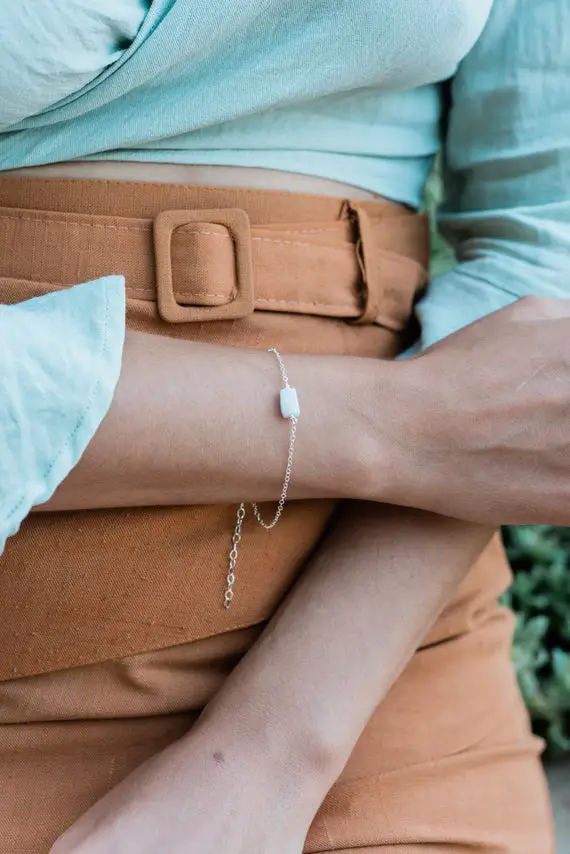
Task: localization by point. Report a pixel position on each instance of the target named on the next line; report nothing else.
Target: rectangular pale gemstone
(289, 403)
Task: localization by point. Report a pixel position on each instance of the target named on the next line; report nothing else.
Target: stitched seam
(187, 227)
(62, 221)
(265, 300)
(309, 230)
(304, 245)
(115, 182)
(260, 237)
(305, 303)
(151, 291)
(84, 413)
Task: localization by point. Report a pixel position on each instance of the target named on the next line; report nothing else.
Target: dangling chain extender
(289, 403)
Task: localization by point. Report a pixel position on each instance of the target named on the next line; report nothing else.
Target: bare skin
(477, 417)
(281, 729)
(156, 445)
(258, 744)
(479, 429)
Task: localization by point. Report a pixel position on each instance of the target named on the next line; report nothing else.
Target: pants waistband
(211, 254)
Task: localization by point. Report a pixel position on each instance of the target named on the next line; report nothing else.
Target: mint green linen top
(360, 91)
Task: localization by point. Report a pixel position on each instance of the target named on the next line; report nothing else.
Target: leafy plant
(540, 597)
(442, 255)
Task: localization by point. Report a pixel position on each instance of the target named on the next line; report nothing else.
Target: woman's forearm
(328, 658)
(254, 770)
(475, 428)
(195, 423)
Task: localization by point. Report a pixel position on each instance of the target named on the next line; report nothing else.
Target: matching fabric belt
(203, 258)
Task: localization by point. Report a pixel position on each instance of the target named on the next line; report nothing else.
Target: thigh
(441, 768)
(492, 799)
(448, 764)
(68, 737)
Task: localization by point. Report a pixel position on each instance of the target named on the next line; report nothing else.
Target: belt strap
(217, 263)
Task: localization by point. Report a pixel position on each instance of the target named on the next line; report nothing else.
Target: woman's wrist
(343, 444)
(275, 712)
(244, 732)
(387, 407)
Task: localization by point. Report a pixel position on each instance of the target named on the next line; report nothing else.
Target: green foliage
(540, 597)
(442, 255)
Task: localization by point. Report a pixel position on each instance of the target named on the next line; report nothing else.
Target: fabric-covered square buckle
(237, 223)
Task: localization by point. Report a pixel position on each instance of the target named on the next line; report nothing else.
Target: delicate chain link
(277, 355)
(286, 482)
(236, 538)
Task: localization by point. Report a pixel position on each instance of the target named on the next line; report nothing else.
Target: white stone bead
(289, 403)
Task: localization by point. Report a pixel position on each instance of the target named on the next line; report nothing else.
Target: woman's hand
(476, 428)
(252, 774)
(216, 791)
(494, 444)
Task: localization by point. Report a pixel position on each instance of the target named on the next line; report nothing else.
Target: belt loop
(372, 288)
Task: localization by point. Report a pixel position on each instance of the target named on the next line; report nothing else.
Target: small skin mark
(219, 758)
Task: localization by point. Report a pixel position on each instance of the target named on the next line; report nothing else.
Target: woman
(333, 733)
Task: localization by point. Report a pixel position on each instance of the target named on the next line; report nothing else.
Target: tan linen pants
(112, 634)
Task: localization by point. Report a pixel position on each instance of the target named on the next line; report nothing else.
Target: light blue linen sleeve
(507, 158)
(60, 359)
